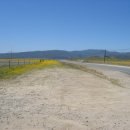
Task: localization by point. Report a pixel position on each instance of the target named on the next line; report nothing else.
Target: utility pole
(10, 58)
(105, 56)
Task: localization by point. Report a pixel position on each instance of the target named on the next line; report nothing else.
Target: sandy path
(63, 99)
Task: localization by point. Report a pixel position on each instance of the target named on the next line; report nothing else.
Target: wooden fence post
(9, 64)
(24, 61)
(18, 62)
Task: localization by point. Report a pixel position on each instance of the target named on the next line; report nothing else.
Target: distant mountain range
(61, 54)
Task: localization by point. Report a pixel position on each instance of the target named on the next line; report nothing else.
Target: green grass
(6, 72)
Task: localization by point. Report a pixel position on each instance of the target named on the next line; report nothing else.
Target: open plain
(63, 98)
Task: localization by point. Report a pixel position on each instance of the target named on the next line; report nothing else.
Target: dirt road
(63, 99)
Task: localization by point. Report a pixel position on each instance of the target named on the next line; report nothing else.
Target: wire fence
(17, 62)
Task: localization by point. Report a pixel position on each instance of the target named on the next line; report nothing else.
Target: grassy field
(6, 72)
(113, 61)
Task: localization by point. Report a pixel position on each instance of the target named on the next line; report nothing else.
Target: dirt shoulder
(122, 79)
(63, 99)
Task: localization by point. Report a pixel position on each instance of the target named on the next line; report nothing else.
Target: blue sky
(27, 25)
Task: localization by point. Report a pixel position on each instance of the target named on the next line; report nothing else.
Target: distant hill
(61, 54)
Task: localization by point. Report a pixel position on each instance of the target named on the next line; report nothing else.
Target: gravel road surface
(63, 99)
(123, 69)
